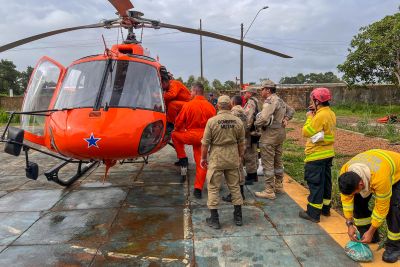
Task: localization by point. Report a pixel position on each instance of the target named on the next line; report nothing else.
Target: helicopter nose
(118, 133)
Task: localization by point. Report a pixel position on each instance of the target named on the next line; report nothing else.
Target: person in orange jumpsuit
(189, 129)
(175, 95)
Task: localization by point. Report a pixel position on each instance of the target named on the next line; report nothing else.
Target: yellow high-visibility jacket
(323, 120)
(384, 166)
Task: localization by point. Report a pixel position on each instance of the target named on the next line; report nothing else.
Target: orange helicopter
(102, 108)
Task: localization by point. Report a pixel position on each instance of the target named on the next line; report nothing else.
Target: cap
(251, 90)
(224, 99)
(268, 84)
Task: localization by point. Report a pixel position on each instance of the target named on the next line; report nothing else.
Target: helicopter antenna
(106, 50)
(122, 33)
(141, 34)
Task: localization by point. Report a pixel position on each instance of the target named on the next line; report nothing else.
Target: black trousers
(362, 216)
(319, 180)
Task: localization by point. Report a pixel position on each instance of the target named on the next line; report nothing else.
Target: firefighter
(319, 129)
(272, 120)
(238, 111)
(189, 128)
(251, 108)
(175, 96)
(373, 172)
(224, 137)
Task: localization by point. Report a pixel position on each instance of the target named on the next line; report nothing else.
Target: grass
(366, 115)
(4, 116)
(387, 131)
(360, 110)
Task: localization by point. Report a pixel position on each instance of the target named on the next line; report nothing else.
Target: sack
(358, 251)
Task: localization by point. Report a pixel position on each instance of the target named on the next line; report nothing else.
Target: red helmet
(321, 94)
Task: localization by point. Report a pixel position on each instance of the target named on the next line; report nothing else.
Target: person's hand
(203, 163)
(368, 235)
(285, 122)
(351, 231)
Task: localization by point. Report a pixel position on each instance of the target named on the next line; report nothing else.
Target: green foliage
(11, 78)
(216, 85)
(24, 79)
(327, 77)
(373, 111)
(4, 116)
(8, 76)
(374, 54)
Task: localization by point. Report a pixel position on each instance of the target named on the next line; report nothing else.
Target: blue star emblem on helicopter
(92, 141)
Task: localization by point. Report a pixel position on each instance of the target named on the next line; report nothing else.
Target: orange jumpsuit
(176, 96)
(189, 129)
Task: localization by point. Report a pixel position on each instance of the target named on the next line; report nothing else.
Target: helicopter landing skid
(52, 174)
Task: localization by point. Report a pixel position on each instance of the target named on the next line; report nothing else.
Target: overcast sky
(316, 33)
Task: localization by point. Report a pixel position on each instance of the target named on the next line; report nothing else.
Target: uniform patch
(227, 124)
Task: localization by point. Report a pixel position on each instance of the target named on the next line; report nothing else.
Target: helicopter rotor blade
(47, 34)
(122, 6)
(223, 38)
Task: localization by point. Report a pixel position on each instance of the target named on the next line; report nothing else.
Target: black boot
(237, 215)
(197, 193)
(213, 220)
(304, 215)
(182, 162)
(362, 229)
(391, 254)
(251, 178)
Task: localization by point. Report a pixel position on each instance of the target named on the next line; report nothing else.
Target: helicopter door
(40, 91)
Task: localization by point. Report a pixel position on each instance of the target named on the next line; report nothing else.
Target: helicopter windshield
(129, 84)
(81, 85)
(133, 84)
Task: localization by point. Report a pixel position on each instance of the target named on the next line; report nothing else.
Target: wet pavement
(143, 216)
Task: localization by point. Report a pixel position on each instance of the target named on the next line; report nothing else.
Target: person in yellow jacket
(374, 172)
(319, 129)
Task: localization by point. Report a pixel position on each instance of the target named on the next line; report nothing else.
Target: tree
(24, 80)
(190, 81)
(217, 85)
(8, 77)
(179, 79)
(229, 85)
(327, 77)
(374, 53)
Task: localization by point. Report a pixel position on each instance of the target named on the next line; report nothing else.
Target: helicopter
(102, 108)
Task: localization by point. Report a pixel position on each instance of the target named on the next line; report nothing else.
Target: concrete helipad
(143, 216)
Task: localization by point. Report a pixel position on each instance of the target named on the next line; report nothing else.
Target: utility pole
(201, 54)
(241, 46)
(241, 56)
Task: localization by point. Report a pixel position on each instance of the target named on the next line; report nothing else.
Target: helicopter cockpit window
(81, 85)
(39, 93)
(133, 84)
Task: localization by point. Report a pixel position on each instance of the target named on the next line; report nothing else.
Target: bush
(4, 117)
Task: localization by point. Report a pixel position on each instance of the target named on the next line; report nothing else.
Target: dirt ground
(346, 142)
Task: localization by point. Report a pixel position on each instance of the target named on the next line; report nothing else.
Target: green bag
(358, 251)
